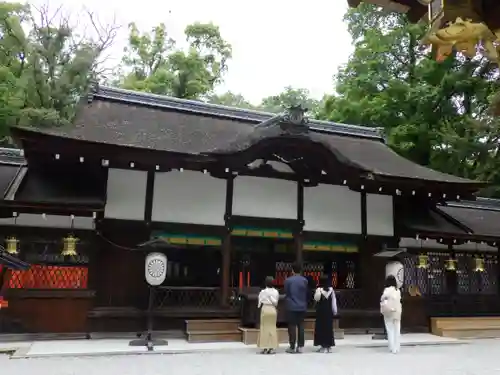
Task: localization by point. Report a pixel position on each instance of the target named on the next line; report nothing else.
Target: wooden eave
(339, 170)
(40, 143)
(8, 208)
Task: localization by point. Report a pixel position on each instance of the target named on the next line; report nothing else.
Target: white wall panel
(333, 209)
(379, 212)
(189, 197)
(126, 194)
(265, 197)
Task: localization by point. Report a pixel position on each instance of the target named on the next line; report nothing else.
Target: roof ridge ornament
(93, 89)
(295, 120)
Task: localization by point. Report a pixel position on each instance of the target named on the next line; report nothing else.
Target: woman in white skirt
(268, 303)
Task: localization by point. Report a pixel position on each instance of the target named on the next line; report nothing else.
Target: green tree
(289, 97)
(433, 113)
(44, 65)
(230, 99)
(152, 63)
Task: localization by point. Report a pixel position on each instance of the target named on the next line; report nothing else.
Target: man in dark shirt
(296, 290)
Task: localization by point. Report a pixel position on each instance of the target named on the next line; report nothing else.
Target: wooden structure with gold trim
(465, 26)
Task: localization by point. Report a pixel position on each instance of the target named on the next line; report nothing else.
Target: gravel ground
(478, 358)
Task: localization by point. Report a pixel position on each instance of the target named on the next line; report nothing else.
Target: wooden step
(214, 336)
(250, 335)
(309, 323)
(212, 325)
(467, 327)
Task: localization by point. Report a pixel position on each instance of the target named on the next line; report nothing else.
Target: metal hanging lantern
(479, 264)
(11, 245)
(69, 246)
(466, 26)
(451, 264)
(423, 261)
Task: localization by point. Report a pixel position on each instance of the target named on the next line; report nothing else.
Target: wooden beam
(226, 243)
(150, 186)
(299, 232)
(364, 216)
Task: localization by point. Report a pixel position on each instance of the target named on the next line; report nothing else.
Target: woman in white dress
(268, 303)
(391, 309)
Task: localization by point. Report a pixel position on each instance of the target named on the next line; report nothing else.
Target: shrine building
(230, 196)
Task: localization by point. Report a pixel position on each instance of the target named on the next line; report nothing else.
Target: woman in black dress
(326, 309)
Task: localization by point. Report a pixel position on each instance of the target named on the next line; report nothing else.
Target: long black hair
(390, 280)
(269, 282)
(324, 282)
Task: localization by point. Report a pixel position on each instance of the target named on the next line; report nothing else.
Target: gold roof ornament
(462, 36)
(11, 245)
(479, 264)
(423, 261)
(454, 24)
(69, 246)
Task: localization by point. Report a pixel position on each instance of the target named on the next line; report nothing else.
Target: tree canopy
(45, 66)
(435, 114)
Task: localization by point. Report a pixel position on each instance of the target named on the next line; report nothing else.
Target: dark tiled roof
(378, 158)
(11, 161)
(428, 221)
(12, 156)
(122, 117)
(482, 220)
(7, 174)
(157, 122)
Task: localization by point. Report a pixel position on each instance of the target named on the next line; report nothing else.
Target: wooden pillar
(298, 235)
(498, 273)
(148, 205)
(451, 275)
(226, 265)
(226, 244)
(364, 217)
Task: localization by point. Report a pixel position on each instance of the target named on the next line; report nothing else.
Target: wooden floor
(219, 330)
(466, 327)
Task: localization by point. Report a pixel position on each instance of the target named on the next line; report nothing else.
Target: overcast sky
(275, 42)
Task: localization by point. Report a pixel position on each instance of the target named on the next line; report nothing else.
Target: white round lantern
(397, 270)
(156, 268)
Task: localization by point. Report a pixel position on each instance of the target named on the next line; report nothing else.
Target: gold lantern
(422, 261)
(69, 246)
(11, 244)
(451, 264)
(479, 264)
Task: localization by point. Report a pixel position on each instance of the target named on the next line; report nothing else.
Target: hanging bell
(451, 264)
(423, 261)
(69, 246)
(11, 245)
(479, 264)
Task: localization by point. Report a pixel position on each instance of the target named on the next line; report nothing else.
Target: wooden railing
(210, 297)
(199, 297)
(462, 305)
(347, 299)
